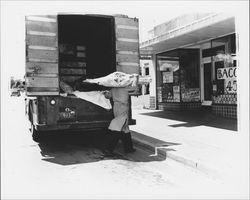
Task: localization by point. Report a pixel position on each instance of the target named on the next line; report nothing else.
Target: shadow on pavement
(195, 118)
(79, 148)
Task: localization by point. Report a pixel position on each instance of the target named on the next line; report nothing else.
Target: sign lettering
(230, 86)
(226, 73)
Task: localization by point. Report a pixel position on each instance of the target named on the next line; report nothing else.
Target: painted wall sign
(226, 73)
(191, 94)
(144, 80)
(167, 77)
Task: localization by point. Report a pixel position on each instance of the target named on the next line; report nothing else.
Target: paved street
(70, 166)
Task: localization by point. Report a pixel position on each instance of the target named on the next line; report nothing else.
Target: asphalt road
(70, 166)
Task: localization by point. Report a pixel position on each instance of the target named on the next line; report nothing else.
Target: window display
(225, 64)
(170, 80)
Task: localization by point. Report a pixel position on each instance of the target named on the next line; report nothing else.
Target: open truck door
(127, 45)
(127, 51)
(42, 74)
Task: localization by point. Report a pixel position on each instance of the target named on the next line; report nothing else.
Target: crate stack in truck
(71, 48)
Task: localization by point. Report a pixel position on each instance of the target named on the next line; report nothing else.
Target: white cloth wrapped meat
(116, 79)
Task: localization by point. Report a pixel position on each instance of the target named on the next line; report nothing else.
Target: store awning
(204, 29)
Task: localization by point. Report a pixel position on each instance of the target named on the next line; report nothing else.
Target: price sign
(229, 75)
(230, 85)
(167, 77)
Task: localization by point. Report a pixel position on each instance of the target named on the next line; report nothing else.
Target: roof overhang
(192, 34)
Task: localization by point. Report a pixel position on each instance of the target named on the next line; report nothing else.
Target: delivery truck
(68, 48)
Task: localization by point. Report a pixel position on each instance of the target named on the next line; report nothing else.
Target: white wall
(152, 85)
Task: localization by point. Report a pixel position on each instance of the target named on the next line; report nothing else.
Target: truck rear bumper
(73, 126)
(94, 125)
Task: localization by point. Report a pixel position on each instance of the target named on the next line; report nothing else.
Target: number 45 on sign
(230, 85)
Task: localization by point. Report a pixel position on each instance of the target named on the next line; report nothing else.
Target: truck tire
(35, 134)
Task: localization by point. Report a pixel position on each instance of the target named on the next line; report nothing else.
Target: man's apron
(120, 109)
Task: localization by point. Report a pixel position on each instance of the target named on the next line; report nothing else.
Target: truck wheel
(35, 134)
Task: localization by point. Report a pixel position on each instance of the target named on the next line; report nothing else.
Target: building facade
(194, 63)
(148, 89)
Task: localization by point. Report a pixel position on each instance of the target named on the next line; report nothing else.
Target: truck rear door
(127, 50)
(41, 56)
(127, 44)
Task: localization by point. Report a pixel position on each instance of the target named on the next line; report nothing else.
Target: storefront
(220, 88)
(178, 79)
(198, 75)
(188, 78)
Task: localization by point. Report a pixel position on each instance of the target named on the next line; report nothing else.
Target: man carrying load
(118, 128)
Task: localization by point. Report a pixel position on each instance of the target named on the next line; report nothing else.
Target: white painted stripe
(41, 33)
(41, 19)
(127, 27)
(42, 48)
(42, 60)
(127, 40)
(55, 93)
(43, 75)
(128, 63)
(128, 52)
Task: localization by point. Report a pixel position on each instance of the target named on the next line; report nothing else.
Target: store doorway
(206, 80)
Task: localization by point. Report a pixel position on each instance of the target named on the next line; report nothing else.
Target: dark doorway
(207, 82)
(96, 36)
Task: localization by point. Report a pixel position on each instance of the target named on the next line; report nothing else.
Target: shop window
(228, 41)
(213, 51)
(232, 44)
(219, 84)
(178, 77)
(169, 74)
(225, 67)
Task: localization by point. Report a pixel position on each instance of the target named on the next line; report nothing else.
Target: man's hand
(107, 94)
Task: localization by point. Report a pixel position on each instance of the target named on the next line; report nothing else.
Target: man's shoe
(127, 143)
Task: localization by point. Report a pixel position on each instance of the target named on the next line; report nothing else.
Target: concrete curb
(159, 149)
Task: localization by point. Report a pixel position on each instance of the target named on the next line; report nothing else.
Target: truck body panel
(68, 48)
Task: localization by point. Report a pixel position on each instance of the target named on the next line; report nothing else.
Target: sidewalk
(197, 139)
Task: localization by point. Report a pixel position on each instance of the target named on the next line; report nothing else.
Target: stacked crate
(72, 62)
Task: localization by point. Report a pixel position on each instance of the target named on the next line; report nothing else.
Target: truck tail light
(52, 102)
